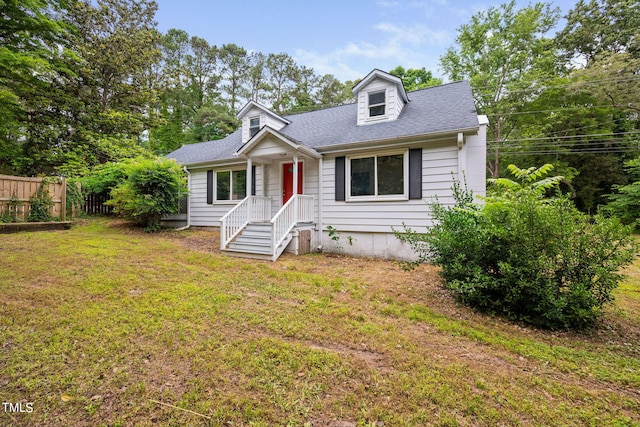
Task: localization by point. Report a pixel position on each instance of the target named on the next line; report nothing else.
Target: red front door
(287, 181)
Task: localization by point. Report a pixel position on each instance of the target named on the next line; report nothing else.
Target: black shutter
(209, 187)
(340, 170)
(415, 173)
(253, 180)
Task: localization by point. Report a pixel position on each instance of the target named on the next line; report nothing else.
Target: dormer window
(254, 126)
(377, 103)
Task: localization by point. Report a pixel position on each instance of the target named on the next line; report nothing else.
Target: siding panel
(438, 163)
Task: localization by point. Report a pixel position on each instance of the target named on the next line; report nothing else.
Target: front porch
(247, 230)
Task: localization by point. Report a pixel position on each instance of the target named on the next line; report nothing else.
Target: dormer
(381, 97)
(255, 116)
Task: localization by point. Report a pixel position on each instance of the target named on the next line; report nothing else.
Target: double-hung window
(254, 126)
(382, 176)
(231, 185)
(377, 103)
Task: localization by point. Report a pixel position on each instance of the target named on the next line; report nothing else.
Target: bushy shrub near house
(525, 255)
(141, 190)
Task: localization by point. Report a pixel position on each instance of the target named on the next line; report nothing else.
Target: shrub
(525, 255)
(105, 177)
(153, 188)
(40, 205)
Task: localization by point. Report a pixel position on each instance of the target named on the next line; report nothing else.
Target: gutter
(381, 143)
(188, 201)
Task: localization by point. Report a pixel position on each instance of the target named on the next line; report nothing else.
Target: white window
(377, 103)
(381, 176)
(231, 185)
(254, 126)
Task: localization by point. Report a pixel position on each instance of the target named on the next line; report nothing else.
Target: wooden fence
(94, 204)
(15, 193)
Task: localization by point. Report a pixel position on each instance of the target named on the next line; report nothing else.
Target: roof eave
(403, 139)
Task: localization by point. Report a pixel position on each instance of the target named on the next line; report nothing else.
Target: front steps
(254, 241)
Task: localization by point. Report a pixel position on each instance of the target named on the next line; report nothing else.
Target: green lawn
(107, 325)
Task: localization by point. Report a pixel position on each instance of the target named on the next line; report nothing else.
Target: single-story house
(351, 172)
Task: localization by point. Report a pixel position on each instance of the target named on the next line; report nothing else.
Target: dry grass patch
(107, 325)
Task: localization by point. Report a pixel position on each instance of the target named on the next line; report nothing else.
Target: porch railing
(251, 208)
(299, 208)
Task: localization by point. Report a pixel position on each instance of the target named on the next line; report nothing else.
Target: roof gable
(379, 74)
(252, 104)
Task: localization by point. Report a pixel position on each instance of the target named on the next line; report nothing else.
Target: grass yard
(106, 325)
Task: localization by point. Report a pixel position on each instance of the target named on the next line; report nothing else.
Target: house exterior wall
(208, 215)
(476, 159)
(370, 223)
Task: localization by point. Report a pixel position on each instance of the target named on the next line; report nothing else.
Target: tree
(504, 53)
(625, 201)
(256, 78)
(234, 68)
(282, 71)
(414, 79)
(601, 26)
(34, 43)
(331, 91)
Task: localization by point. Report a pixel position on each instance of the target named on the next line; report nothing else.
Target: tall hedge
(152, 189)
(525, 254)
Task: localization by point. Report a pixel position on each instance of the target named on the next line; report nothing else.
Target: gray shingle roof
(445, 108)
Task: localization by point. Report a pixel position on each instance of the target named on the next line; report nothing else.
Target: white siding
(268, 184)
(269, 146)
(202, 214)
(476, 154)
(265, 119)
(393, 100)
(438, 163)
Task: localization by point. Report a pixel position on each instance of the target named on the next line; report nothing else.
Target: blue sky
(346, 38)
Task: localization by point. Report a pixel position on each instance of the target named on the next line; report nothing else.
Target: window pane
(376, 111)
(376, 98)
(239, 185)
(254, 125)
(362, 177)
(223, 185)
(391, 174)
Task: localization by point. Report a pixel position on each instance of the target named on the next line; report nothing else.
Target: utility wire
(560, 86)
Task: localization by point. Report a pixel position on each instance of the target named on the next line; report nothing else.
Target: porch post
(248, 190)
(295, 188)
(295, 174)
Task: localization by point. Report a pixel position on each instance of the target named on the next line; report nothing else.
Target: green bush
(105, 177)
(152, 189)
(625, 202)
(40, 205)
(525, 255)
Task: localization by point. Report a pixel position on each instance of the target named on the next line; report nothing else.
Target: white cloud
(412, 46)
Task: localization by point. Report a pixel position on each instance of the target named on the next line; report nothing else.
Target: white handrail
(251, 208)
(299, 208)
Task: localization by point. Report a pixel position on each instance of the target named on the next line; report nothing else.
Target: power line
(560, 153)
(573, 136)
(564, 85)
(516, 113)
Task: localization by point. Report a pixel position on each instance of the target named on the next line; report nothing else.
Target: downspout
(188, 200)
(320, 196)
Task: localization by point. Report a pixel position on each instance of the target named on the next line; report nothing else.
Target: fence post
(63, 198)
